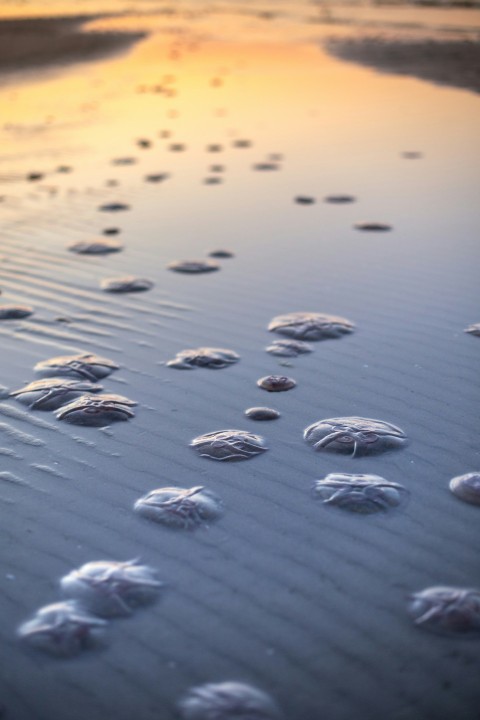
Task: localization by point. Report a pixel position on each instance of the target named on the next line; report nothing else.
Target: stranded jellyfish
(180, 507)
(266, 166)
(63, 629)
(304, 200)
(156, 177)
(15, 312)
(52, 393)
(355, 435)
(227, 701)
(97, 411)
(100, 246)
(223, 254)
(288, 348)
(112, 589)
(447, 610)
(193, 266)
(310, 326)
(207, 357)
(229, 445)
(467, 487)
(114, 207)
(473, 329)
(372, 226)
(262, 413)
(276, 383)
(242, 143)
(363, 494)
(339, 199)
(126, 284)
(88, 366)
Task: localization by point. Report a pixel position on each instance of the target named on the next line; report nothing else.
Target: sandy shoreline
(38, 42)
(455, 63)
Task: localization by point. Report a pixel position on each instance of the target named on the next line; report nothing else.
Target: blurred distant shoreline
(447, 62)
(31, 43)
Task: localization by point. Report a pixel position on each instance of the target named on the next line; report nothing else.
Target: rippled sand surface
(308, 605)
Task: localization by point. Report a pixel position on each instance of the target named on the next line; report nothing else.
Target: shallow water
(309, 606)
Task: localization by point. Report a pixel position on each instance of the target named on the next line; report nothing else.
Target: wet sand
(455, 63)
(31, 43)
(306, 602)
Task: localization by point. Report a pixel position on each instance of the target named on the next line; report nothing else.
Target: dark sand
(455, 63)
(32, 43)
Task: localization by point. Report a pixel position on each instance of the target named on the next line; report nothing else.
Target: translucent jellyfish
(227, 701)
(88, 366)
(310, 326)
(447, 610)
(52, 393)
(276, 383)
(15, 312)
(372, 226)
(193, 266)
(114, 207)
(363, 494)
(220, 253)
(473, 329)
(340, 199)
(213, 358)
(99, 246)
(355, 435)
(262, 413)
(288, 348)
(156, 177)
(97, 411)
(63, 629)
(304, 200)
(266, 166)
(112, 589)
(180, 507)
(229, 445)
(126, 284)
(467, 487)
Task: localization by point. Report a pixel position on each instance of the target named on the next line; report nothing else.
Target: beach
(202, 129)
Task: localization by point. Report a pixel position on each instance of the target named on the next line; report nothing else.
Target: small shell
(227, 701)
(372, 226)
(126, 284)
(207, 357)
(229, 445)
(473, 329)
(193, 266)
(214, 147)
(100, 246)
(177, 147)
(467, 487)
(310, 326)
(262, 413)
(52, 393)
(112, 589)
(15, 312)
(288, 348)
(62, 629)
(114, 207)
(88, 366)
(242, 143)
(97, 411)
(180, 507)
(276, 383)
(363, 494)
(447, 610)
